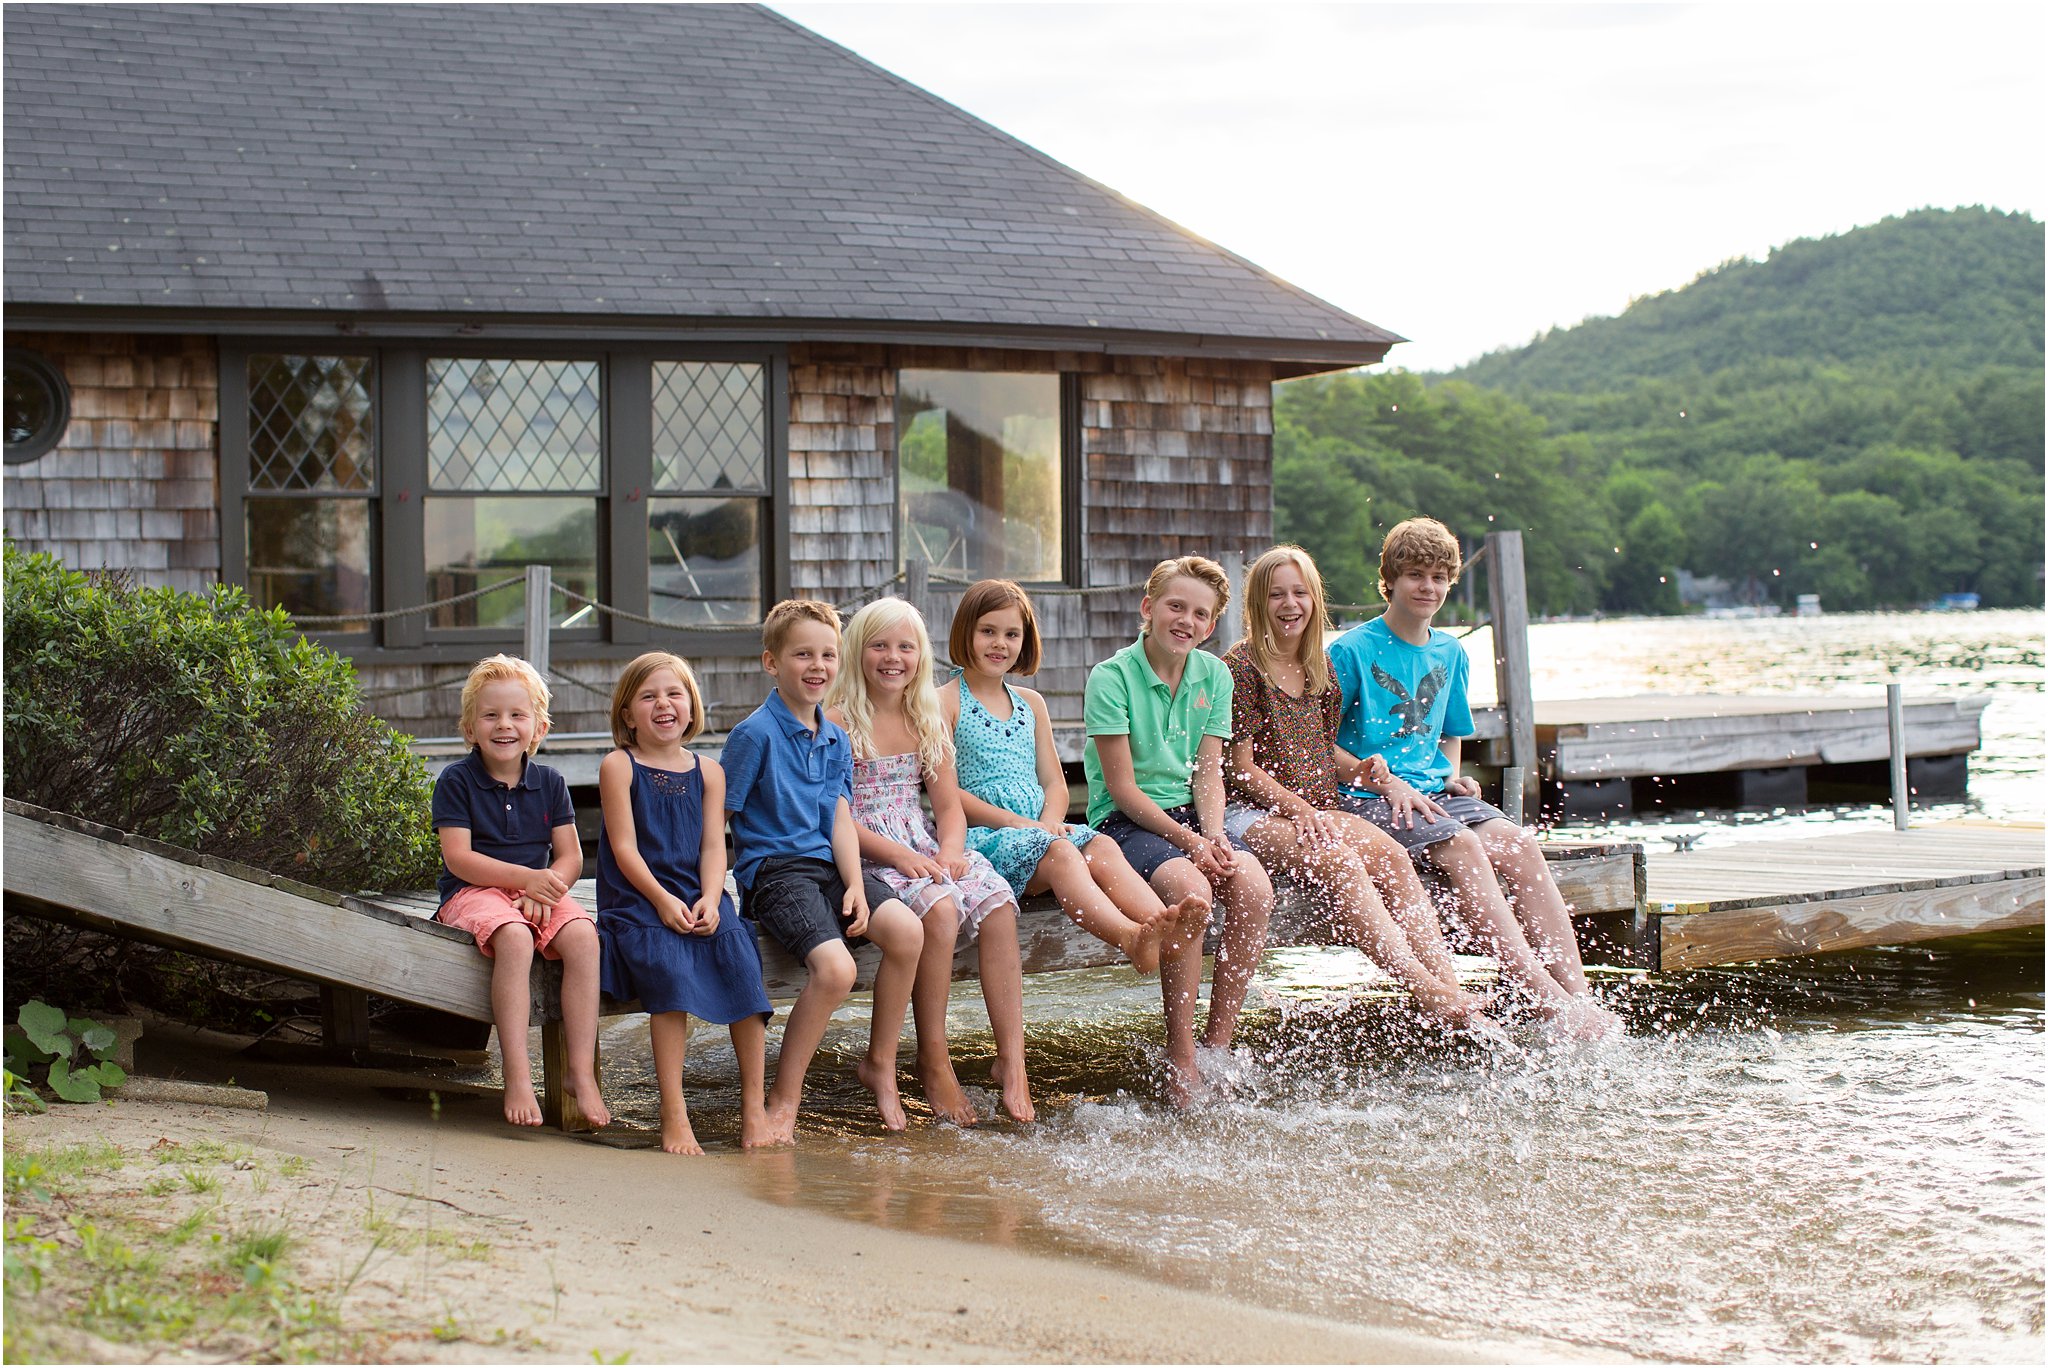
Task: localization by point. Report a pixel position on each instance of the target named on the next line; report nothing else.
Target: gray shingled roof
(710, 162)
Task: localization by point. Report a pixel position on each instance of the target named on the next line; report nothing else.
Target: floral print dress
(885, 801)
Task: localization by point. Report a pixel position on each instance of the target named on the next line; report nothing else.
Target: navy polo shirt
(510, 822)
(783, 783)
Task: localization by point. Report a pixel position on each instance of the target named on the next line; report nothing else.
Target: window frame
(1070, 479)
(398, 520)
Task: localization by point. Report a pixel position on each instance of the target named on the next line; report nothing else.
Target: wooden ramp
(1757, 900)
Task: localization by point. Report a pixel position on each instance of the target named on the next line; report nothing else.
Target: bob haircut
(920, 700)
(636, 676)
(1198, 568)
(1258, 626)
(991, 596)
(499, 669)
(1418, 544)
(775, 628)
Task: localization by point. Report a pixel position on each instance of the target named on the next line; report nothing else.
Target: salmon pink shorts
(484, 911)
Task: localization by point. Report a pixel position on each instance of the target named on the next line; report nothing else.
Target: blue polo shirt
(510, 822)
(783, 782)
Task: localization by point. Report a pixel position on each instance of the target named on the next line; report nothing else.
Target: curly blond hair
(498, 669)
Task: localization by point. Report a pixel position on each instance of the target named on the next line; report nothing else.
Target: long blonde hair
(1258, 626)
(920, 700)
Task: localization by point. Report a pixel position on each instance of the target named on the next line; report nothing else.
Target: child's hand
(707, 912)
(545, 887)
(1409, 802)
(1226, 854)
(955, 865)
(533, 909)
(855, 910)
(1317, 828)
(1052, 828)
(911, 865)
(676, 915)
(1464, 786)
(1204, 857)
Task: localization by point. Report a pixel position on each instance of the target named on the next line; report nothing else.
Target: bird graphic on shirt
(1413, 712)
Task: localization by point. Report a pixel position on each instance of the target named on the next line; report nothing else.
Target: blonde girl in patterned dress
(1282, 780)
(884, 700)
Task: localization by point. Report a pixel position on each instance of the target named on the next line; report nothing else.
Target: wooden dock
(1759, 900)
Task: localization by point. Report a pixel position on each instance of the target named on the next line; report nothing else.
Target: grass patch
(197, 1152)
(39, 1171)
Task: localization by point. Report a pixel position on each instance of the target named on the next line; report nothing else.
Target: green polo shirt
(1126, 697)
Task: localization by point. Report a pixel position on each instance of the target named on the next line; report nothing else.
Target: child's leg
(928, 999)
(1247, 898)
(670, 1034)
(576, 945)
(897, 933)
(1063, 871)
(1477, 897)
(831, 975)
(1400, 887)
(1180, 980)
(512, 1011)
(749, 1036)
(1185, 918)
(1342, 894)
(1002, 990)
(1525, 876)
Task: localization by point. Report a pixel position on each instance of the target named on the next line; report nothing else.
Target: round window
(38, 406)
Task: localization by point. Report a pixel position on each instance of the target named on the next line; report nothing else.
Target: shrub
(201, 721)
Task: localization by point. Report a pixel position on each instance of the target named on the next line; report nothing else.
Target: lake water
(1837, 1158)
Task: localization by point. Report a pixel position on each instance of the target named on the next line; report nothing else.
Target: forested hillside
(1858, 416)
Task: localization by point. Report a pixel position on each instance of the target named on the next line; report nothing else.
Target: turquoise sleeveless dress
(998, 761)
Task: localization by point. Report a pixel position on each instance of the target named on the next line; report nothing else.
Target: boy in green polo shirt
(1158, 713)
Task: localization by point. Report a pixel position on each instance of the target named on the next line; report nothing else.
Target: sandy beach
(449, 1237)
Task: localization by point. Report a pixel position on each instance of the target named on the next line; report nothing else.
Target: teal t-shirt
(1126, 697)
(1401, 700)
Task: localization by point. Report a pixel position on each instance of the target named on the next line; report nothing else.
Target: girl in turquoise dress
(1015, 794)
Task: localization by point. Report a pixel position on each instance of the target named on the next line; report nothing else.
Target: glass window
(705, 554)
(513, 425)
(38, 402)
(310, 556)
(978, 472)
(312, 467)
(710, 426)
(704, 560)
(477, 541)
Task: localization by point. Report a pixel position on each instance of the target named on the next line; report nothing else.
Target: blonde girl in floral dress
(885, 701)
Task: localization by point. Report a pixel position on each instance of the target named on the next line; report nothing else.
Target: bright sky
(1468, 175)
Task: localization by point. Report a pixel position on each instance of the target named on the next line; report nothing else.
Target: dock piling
(540, 590)
(1895, 724)
(1507, 588)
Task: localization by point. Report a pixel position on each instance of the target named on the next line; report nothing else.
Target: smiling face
(805, 666)
(998, 638)
(1417, 593)
(1181, 617)
(889, 660)
(507, 727)
(659, 710)
(1290, 607)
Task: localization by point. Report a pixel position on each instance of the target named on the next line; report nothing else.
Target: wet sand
(592, 1247)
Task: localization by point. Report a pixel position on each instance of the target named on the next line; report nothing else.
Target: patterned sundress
(998, 760)
(885, 801)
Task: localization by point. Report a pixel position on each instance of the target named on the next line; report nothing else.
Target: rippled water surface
(1834, 1159)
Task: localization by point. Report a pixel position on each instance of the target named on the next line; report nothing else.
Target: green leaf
(107, 1073)
(95, 1037)
(23, 1054)
(73, 1087)
(44, 1025)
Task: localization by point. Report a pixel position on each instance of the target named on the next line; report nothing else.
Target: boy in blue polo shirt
(509, 854)
(1403, 684)
(788, 779)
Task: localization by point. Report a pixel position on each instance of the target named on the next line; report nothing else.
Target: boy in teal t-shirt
(1403, 683)
(1158, 713)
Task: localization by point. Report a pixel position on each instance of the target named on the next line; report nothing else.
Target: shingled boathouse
(367, 308)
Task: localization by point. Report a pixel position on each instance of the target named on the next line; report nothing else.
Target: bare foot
(676, 1135)
(942, 1089)
(1188, 924)
(1141, 947)
(778, 1122)
(1010, 1077)
(755, 1129)
(1182, 1082)
(589, 1100)
(1580, 1018)
(881, 1081)
(522, 1108)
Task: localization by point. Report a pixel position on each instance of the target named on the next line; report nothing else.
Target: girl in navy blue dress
(671, 937)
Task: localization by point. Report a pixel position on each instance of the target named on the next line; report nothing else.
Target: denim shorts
(1463, 813)
(1148, 850)
(797, 899)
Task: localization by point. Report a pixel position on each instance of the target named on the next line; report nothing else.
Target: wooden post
(1231, 629)
(1507, 589)
(557, 1108)
(1895, 723)
(344, 1018)
(1511, 794)
(539, 590)
(917, 587)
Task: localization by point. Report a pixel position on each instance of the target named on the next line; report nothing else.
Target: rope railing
(338, 619)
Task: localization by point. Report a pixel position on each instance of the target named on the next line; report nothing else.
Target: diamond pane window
(513, 426)
(310, 423)
(710, 426)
